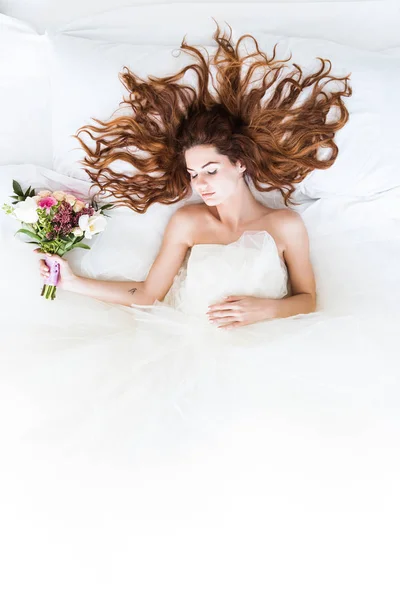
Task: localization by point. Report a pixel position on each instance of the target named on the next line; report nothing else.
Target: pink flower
(47, 203)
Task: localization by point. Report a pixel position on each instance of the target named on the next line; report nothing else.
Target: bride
(212, 145)
(226, 317)
(229, 212)
(213, 414)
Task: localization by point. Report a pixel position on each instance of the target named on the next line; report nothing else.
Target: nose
(201, 184)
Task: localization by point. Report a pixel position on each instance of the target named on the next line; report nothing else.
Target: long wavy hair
(277, 140)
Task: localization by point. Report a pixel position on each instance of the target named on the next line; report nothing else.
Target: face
(212, 175)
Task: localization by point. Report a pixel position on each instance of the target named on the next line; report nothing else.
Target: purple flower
(65, 219)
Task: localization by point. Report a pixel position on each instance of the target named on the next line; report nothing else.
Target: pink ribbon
(54, 275)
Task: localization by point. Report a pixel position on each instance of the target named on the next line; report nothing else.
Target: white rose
(59, 195)
(70, 199)
(78, 206)
(44, 193)
(92, 225)
(26, 211)
(77, 231)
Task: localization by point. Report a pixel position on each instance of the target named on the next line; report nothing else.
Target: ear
(241, 166)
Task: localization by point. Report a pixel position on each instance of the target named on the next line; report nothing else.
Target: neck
(241, 208)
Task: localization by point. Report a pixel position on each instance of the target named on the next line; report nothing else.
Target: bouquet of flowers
(57, 222)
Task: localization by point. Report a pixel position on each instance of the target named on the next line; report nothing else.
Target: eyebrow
(212, 162)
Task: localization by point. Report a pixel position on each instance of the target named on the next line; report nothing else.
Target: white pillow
(392, 51)
(369, 144)
(85, 84)
(25, 125)
(370, 25)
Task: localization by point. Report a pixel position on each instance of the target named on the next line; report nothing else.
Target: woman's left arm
(236, 311)
(301, 274)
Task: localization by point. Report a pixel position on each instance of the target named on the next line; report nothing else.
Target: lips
(208, 195)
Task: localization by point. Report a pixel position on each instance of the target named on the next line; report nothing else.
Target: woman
(229, 211)
(152, 363)
(216, 146)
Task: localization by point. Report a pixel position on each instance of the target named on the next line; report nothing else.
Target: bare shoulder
(190, 214)
(286, 217)
(288, 224)
(182, 225)
(191, 210)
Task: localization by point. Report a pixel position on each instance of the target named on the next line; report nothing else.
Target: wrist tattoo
(132, 291)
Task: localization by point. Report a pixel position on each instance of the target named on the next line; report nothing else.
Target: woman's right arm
(176, 242)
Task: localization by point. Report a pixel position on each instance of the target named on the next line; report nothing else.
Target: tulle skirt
(150, 380)
(136, 441)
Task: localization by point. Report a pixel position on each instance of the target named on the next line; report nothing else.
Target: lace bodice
(251, 266)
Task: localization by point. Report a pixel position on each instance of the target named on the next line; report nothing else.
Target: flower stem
(49, 292)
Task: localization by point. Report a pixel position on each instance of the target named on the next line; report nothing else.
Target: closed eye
(209, 172)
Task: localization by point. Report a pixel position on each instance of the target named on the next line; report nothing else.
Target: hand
(236, 311)
(66, 277)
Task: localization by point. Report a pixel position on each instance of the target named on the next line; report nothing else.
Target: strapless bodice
(251, 266)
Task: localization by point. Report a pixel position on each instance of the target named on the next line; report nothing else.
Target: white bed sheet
(268, 513)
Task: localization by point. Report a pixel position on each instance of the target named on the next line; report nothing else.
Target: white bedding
(242, 506)
(366, 24)
(303, 504)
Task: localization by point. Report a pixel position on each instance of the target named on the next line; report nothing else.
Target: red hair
(277, 141)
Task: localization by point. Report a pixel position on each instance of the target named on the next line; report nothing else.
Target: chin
(212, 201)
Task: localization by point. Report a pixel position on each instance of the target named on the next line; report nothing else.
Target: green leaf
(16, 197)
(78, 239)
(27, 191)
(82, 246)
(17, 188)
(109, 206)
(32, 193)
(30, 233)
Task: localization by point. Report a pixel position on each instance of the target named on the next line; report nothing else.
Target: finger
(225, 301)
(232, 325)
(223, 313)
(223, 320)
(216, 307)
(57, 257)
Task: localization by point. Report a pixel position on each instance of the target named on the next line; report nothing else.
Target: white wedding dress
(165, 374)
(141, 441)
(146, 438)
